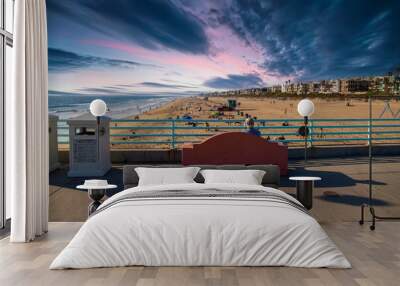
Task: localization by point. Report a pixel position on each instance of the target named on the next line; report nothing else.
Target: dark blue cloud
(235, 81)
(99, 92)
(105, 90)
(60, 60)
(151, 23)
(60, 93)
(164, 85)
(314, 39)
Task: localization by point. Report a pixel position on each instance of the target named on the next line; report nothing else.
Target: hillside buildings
(388, 85)
(379, 85)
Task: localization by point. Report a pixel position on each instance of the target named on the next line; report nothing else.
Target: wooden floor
(375, 256)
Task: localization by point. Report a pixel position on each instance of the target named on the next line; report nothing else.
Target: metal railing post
(369, 134)
(311, 132)
(173, 134)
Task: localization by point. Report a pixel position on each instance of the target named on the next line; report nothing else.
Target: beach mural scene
(203, 62)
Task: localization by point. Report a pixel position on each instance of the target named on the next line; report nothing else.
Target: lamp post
(98, 108)
(370, 205)
(305, 108)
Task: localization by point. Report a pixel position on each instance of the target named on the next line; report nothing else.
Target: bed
(198, 224)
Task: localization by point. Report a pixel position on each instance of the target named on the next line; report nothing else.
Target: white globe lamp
(98, 108)
(305, 108)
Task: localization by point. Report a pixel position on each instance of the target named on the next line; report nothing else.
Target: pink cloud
(198, 63)
(229, 54)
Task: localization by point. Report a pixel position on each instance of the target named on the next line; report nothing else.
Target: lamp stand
(305, 139)
(370, 203)
(98, 137)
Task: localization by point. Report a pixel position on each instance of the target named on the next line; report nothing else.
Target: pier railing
(172, 133)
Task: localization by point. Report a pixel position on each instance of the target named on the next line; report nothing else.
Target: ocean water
(69, 106)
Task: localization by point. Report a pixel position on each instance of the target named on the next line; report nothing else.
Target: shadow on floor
(330, 179)
(351, 200)
(344, 161)
(60, 179)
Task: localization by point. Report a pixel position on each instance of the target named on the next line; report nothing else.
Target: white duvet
(206, 231)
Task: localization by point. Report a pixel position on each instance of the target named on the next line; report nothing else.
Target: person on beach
(249, 123)
(246, 117)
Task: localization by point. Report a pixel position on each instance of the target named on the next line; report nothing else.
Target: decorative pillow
(166, 176)
(248, 177)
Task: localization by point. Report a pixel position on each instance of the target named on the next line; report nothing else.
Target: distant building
(335, 86)
(396, 86)
(376, 84)
(344, 86)
(383, 84)
(314, 87)
(388, 84)
(353, 86)
(302, 88)
(274, 89)
(396, 82)
(358, 85)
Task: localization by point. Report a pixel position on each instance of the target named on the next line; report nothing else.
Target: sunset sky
(185, 47)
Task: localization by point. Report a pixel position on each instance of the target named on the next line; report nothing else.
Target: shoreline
(117, 109)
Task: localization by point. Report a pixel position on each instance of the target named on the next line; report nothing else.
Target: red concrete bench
(236, 148)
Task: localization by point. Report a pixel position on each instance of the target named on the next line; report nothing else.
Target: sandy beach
(270, 108)
(262, 108)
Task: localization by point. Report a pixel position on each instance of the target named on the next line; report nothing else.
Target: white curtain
(27, 124)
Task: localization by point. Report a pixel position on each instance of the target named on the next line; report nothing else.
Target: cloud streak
(235, 81)
(164, 85)
(152, 24)
(90, 92)
(60, 60)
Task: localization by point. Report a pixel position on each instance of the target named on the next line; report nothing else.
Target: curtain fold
(27, 124)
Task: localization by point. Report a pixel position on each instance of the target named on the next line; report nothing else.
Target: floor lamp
(305, 108)
(98, 108)
(370, 203)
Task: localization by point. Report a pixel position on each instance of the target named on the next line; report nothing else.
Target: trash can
(89, 148)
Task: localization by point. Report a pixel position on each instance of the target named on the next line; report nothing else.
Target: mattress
(201, 225)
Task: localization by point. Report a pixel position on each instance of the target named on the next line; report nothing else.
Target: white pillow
(166, 176)
(248, 177)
